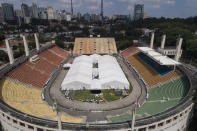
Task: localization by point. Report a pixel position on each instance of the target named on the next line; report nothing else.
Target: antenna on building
(102, 9)
(71, 7)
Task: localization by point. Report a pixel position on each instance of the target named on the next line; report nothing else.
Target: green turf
(152, 108)
(123, 117)
(108, 95)
(84, 95)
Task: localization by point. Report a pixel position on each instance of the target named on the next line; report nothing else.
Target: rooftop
(95, 46)
(158, 57)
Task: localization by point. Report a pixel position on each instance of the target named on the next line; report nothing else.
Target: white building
(50, 13)
(68, 17)
(34, 10)
(95, 72)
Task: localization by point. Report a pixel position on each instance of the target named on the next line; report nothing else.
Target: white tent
(68, 65)
(82, 74)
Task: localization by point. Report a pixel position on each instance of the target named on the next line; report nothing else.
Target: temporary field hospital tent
(83, 74)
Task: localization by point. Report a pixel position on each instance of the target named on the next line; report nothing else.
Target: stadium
(95, 87)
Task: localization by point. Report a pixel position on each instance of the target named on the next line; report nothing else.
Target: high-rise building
(25, 10)
(1, 15)
(95, 17)
(34, 10)
(42, 13)
(138, 11)
(87, 17)
(79, 15)
(68, 17)
(102, 9)
(71, 7)
(18, 13)
(8, 11)
(19, 16)
(50, 13)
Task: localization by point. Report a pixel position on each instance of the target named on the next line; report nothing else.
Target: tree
(60, 43)
(3, 56)
(124, 44)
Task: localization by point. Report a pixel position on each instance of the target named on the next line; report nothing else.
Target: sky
(153, 8)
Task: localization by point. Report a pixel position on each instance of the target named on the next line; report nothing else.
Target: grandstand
(95, 46)
(160, 99)
(59, 52)
(129, 51)
(37, 74)
(28, 100)
(165, 97)
(148, 73)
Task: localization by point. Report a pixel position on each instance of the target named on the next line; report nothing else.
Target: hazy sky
(156, 8)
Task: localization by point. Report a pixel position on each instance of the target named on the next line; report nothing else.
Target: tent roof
(82, 71)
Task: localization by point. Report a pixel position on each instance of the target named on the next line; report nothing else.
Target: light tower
(37, 42)
(9, 50)
(26, 46)
(72, 7)
(178, 49)
(152, 39)
(102, 9)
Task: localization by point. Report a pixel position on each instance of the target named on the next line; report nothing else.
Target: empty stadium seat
(29, 101)
(129, 51)
(150, 76)
(37, 74)
(60, 52)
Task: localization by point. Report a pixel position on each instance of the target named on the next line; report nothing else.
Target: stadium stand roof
(158, 57)
(84, 74)
(95, 46)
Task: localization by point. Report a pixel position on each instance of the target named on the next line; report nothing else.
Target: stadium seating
(28, 100)
(51, 57)
(121, 118)
(44, 65)
(94, 46)
(58, 51)
(161, 69)
(29, 76)
(37, 74)
(150, 76)
(165, 97)
(129, 51)
(172, 90)
(160, 99)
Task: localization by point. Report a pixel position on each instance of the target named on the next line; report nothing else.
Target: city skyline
(154, 8)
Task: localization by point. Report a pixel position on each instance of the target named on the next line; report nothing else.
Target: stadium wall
(176, 122)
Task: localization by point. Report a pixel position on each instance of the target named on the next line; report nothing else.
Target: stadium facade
(165, 101)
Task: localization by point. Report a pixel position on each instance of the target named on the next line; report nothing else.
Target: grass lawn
(84, 95)
(107, 95)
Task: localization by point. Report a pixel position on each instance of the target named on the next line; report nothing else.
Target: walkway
(97, 112)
